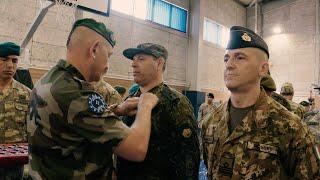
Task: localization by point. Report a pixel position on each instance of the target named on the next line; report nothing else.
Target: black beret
(241, 37)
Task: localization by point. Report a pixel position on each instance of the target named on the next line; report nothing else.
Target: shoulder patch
(96, 103)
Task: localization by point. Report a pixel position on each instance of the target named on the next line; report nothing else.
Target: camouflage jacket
(173, 151)
(282, 100)
(71, 133)
(204, 109)
(269, 143)
(14, 106)
(297, 109)
(312, 119)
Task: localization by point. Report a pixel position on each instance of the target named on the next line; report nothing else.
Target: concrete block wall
(292, 52)
(210, 60)
(48, 43)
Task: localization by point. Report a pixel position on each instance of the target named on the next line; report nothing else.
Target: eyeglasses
(14, 60)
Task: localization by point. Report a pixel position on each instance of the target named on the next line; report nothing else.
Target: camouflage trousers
(12, 173)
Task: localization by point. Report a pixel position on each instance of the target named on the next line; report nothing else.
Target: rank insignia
(96, 103)
(186, 133)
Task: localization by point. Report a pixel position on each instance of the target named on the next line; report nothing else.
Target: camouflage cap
(268, 83)
(155, 50)
(9, 48)
(241, 37)
(98, 27)
(287, 89)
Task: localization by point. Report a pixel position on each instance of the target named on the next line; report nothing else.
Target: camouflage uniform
(107, 92)
(204, 109)
(14, 106)
(282, 100)
(68, 139)
(287, 89)
(297, 109)
(269, 143)
(173, 151)
(312, 119)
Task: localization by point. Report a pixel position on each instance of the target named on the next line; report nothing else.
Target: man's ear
(94, 49)
(264, 69)
(160, 64)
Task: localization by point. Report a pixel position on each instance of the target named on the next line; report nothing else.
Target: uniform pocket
(260, 161)
(21, 109)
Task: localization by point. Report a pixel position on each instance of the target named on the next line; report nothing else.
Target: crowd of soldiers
(79, 127)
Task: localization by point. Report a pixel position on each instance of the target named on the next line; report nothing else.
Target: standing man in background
(14, 105)
(287, 91)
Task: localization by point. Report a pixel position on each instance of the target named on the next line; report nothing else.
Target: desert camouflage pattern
(269, 143)
(173, 151)
(67, 140)
(14, 106)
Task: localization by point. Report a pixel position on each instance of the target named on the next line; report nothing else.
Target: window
(136, 8)
(215, 33)
(167, 14)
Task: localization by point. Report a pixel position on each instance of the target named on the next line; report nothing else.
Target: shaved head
(89, 52)
(83, 37)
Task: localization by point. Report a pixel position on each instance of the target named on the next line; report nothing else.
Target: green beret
(98, 27)
(268, 83)
(120, 89)
(9, 48)
(155, 50)
(241, 37)
(287, 89)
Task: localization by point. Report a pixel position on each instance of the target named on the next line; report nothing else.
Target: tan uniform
(269, 143)
(297, 109)
(14, 106)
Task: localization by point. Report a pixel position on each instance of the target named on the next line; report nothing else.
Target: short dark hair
(210, 95)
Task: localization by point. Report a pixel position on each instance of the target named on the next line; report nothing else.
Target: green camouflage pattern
(268, 83)
(173, 151)
(155, 50)
(14, 106)
(297, 109)
(107, 92)
(287, 88)
(66, 139)
(282, 100)
(312, 119)
(269, 143)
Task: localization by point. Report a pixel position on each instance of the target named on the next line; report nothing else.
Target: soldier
(288, 92)
(251, 136)
(173, 151)
(72, 130)
(14, 105)
(206, 107)
(269, 86)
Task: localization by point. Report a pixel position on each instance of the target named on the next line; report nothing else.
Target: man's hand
(127, 108)
(148, 100)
